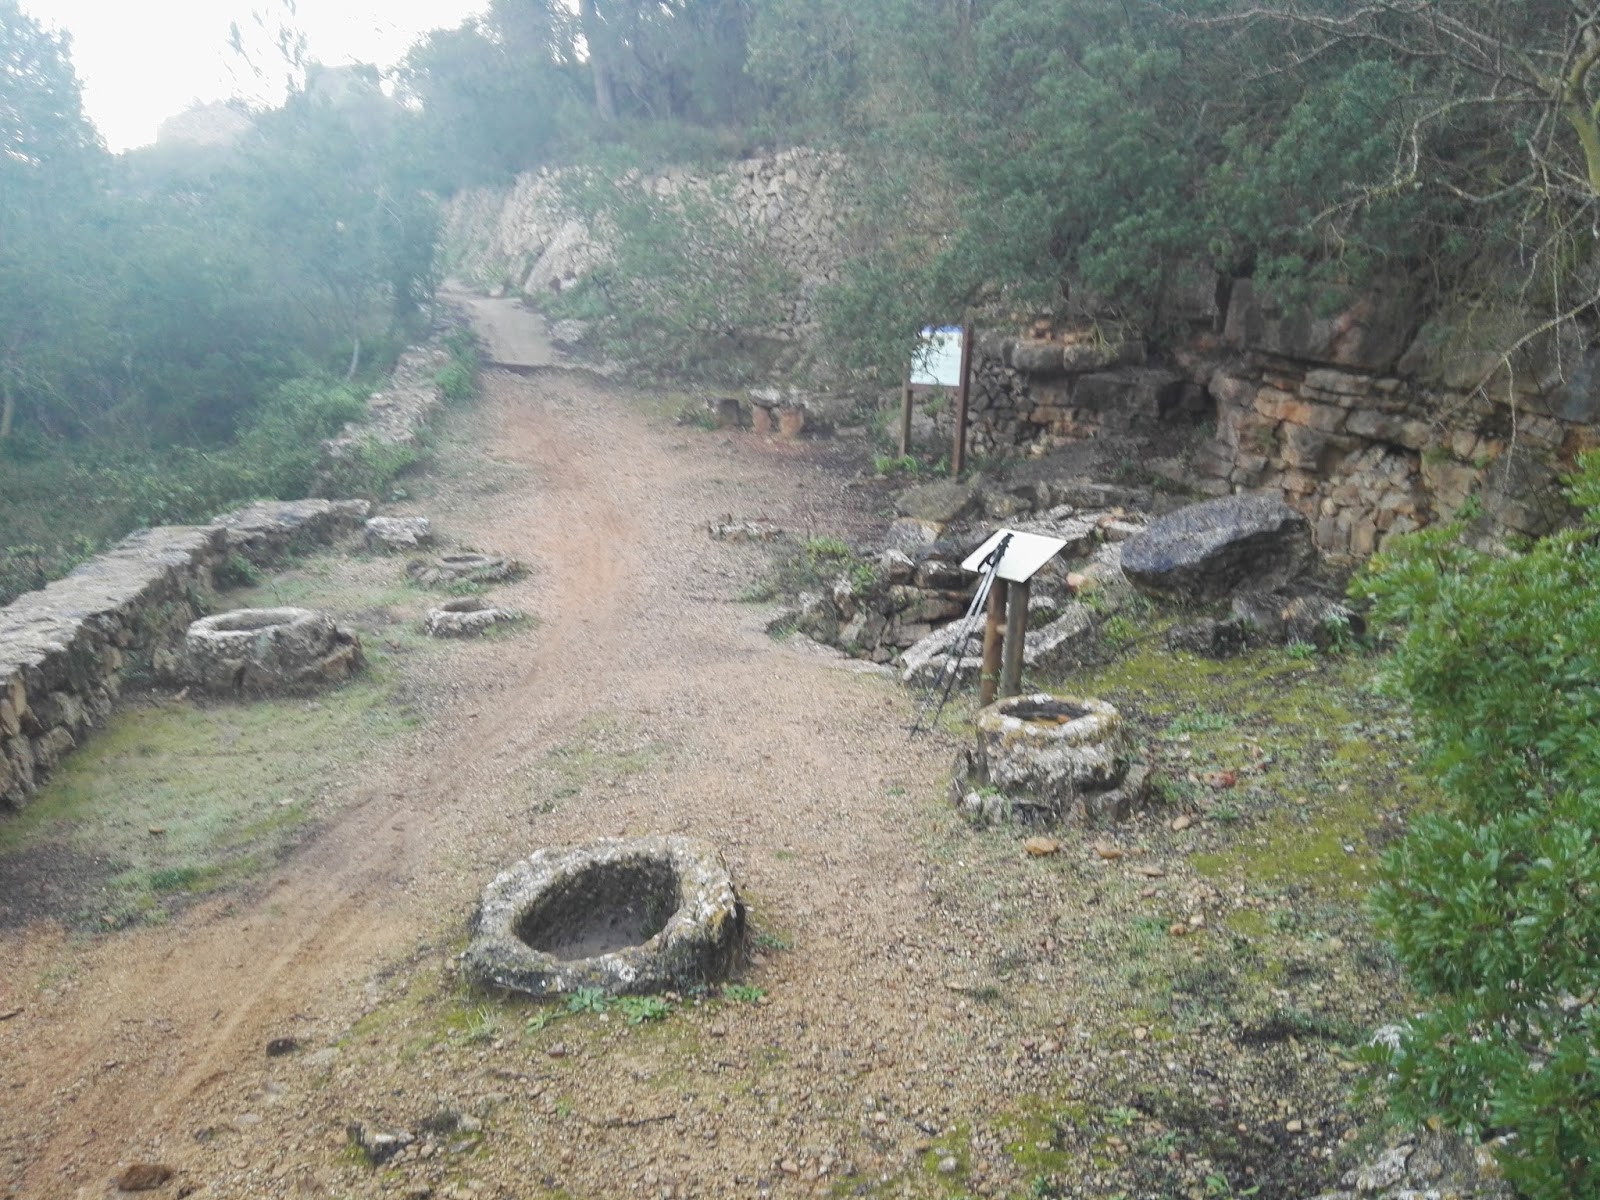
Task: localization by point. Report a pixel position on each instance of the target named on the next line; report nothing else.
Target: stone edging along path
(66, 649)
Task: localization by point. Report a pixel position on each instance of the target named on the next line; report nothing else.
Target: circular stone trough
(268, 649)
(625, 916)
(1050, 760)
(467, 617)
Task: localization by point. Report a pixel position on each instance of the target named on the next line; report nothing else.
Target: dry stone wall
(66, 649)
(791, 205)
(1371, 426)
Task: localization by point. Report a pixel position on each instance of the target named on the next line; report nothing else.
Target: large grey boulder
(1206, 551)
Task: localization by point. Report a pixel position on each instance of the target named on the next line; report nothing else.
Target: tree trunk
(600, 65)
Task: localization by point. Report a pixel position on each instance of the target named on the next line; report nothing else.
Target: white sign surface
(1024, 556)
(937, 362)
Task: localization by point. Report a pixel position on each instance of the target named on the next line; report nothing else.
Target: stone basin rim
(702, 940)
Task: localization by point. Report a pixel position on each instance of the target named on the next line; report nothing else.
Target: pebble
(1041, 847)
(143, 1177)
(1179, 824)
(948, 1166)
(1108, 851)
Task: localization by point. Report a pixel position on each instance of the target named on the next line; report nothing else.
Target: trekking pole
(989, 571)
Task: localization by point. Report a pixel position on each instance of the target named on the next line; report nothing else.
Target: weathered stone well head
(268, 649)
(467, 616)
(1043, 759)
(625, 916)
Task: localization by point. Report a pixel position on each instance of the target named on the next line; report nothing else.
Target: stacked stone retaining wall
(791, 207)
(1362, 421)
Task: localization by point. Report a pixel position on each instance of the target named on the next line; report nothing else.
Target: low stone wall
(394, 416)
(66, 649)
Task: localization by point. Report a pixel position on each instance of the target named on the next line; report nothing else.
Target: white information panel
(1024, 556)
(937, 362)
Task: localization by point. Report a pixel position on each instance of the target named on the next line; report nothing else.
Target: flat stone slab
(624, 916)
(1206, 551)
(464, 568)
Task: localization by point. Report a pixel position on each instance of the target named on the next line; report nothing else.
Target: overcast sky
(141, 63)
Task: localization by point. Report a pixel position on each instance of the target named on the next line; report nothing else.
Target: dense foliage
(180, 326)
(1080, 156)
(1494, 903)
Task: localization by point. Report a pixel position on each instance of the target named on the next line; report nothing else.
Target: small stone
(1197, 921)
(1178, 929)
(1108, 851)
(1140, 1032)
(559, 1050)
(789, 1167)
(1295, 1126)
(1179, 824)
(278, 1047)
(948, 1166)
(718, 1031)
(1149, 871)
(143, 1177)
(1041, 847)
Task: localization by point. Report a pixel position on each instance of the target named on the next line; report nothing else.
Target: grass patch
(177, 799)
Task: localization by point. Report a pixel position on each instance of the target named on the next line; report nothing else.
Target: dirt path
(938, 1014)
(781, 761)
(513, 336)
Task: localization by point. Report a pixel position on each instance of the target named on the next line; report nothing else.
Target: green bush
(1494, 903)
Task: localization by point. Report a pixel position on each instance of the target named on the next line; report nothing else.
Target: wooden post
(1016, 634)
(989, 679)
(905, 418)
(958, 452)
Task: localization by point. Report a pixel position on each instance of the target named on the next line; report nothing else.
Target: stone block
(1368, 331)
(1302, 447)
(1280, 406)
(1037, 358)
(1339, 382)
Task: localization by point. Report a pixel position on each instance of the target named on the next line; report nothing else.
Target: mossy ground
(182, 795)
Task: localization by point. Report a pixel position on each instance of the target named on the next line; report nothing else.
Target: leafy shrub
(1494, 904)
(456, 382)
